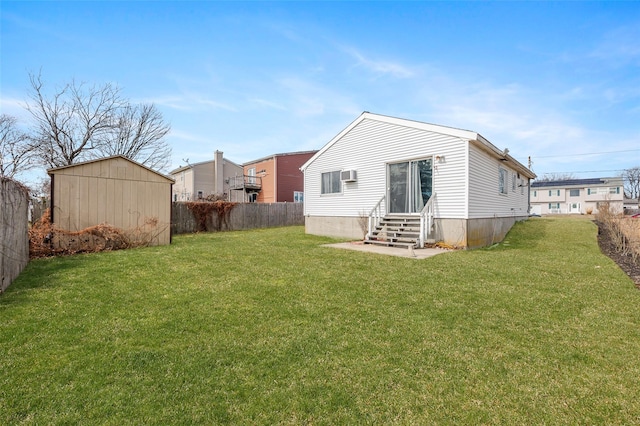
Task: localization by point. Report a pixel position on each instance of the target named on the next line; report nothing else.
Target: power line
(586, 153)
(585, 171)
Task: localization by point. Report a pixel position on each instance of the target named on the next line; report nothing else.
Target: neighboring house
(273, 179)
(201, 180)
(576, 196)
(631, 204)
(444, 184)
(113, 190)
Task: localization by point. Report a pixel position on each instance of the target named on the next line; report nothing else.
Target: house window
(554, 207)
(502, 180)
(200, 195)
(615, 190)
(551, 193)
(513, 183)
(535, 193)
(331, 183)
(298, 196)
(574, 192)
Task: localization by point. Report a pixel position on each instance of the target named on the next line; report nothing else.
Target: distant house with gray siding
(198, 181)
(467, 191)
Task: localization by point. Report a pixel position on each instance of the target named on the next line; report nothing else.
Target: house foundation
(463, 233)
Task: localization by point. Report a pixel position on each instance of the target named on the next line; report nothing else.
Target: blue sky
(557, 81)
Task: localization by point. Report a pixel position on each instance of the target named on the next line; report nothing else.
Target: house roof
(190, 166)
(469, 135)
(284, 154)
(113, 157)
(577, 182)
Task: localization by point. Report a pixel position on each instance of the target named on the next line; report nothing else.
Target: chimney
(218, 170)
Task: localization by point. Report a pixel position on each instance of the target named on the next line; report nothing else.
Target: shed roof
(469, 135)
(113, 157)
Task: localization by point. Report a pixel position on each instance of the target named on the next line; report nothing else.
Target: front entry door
(410, 185)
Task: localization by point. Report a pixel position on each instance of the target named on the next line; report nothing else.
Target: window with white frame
(554, 192)
(502, 181)
(331, 183)
(554, 206)
(298, 196)
(615, 190)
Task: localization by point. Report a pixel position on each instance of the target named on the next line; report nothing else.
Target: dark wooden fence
(242, 216)
(14, 233)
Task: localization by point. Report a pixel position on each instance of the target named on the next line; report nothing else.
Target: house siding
(384, 143)
(289, 177)
(485, 199)
(266, 171)
(202, 177)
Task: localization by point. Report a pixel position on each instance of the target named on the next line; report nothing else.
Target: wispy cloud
(189, 102)
(306, 98)
(263, 103)
(379, 67)
(620, 46)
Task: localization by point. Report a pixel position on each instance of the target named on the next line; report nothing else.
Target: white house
(444, 184)
(208, 178)
(577, 196)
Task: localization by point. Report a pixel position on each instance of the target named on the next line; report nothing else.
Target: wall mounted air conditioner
(348, 176)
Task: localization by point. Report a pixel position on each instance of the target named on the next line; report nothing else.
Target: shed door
(410, 185)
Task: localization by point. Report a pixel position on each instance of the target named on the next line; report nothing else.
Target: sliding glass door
(410, 185)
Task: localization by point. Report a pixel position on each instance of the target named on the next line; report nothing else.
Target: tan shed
(113, 190)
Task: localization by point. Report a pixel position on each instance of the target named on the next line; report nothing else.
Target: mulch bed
(625, 263)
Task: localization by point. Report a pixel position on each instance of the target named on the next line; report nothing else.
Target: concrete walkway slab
(389, 251)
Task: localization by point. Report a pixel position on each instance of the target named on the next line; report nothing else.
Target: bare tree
(73, 121)
(631, 178)
(79, 122)
(554, 177)
(16, 153)
(138, 133)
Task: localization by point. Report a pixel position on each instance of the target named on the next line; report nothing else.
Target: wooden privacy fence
(241, 216)
(14, 237)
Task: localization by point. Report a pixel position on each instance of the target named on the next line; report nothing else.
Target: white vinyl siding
(368, 148)
(485, 199)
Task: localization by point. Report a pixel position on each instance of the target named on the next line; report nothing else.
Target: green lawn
(268, 327)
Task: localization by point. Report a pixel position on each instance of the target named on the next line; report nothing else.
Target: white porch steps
(396, 231)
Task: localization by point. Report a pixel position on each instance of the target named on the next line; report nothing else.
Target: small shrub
(45, 239)
(203, 211)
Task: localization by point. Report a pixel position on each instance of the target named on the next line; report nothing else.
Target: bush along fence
(14, 239)
(225, 216)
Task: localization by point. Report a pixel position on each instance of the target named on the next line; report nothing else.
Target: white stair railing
(426, 221)
(375, 216)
